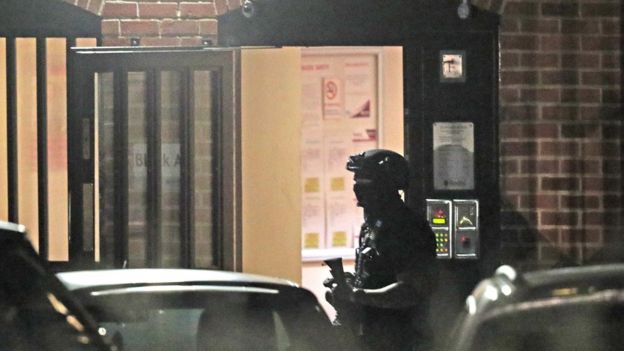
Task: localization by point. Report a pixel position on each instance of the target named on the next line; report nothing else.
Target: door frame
(85, 62)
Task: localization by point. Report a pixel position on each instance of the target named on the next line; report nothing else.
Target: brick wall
(560, 98)
(560, 128)
(158, 23)
(162, 23)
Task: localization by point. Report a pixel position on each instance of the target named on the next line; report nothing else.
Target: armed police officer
(386, 302)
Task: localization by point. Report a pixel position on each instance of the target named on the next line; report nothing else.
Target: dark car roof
(508, 286)
(512, 299)
(96, 279)
(11, 231)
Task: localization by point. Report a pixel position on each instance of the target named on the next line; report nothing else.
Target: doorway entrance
(153, 150)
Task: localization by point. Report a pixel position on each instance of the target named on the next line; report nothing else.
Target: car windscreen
(196, 318)
(34, 313)
(581, 324)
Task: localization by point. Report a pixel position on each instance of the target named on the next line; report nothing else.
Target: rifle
(337, 272)
(347, 313)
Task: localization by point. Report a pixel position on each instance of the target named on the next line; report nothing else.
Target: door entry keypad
(439, 216)
(455, 224)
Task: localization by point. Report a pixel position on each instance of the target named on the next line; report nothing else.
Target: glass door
(154, 161)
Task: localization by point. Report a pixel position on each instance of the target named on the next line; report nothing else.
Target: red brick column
(560, 130)
(162, 23)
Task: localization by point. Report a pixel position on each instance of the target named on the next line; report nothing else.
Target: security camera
(463, 10)
(249, 9)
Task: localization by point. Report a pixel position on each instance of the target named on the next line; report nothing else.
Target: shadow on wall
(612, 154)
(525, 248)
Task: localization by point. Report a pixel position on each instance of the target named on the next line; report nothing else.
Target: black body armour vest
(393, 243)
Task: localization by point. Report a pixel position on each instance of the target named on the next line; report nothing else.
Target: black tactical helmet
(382, 166)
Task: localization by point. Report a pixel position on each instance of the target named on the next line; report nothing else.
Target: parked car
(578, 308)
(186, 309)
(36, 311)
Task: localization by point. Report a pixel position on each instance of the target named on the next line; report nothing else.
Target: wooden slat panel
(26, 87)
(86, 42)
(4, 162)
(56, 100)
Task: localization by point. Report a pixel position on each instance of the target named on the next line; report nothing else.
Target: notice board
(340, 99)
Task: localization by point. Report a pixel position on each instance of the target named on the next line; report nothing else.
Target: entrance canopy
(345, 22)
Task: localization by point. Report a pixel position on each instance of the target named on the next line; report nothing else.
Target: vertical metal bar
(73, 155)
(74, 72)
(414, 125)
(87, 213)
(120, 78)
(12, 129)
(153, 169)
(233, 94)
(42, 146)
(188, 164)
(186, 169)
(158, 162)
(218, 236)
(81, 148)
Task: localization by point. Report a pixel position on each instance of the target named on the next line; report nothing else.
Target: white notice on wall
(339, 222)
(312, 161)
(311, 95)
(359, 86)
(332, 98)
(453, 156)
(339, 118)
(313, 222)
(337, 153)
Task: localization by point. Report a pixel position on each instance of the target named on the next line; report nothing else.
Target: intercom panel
(466, 229)
(439, 215)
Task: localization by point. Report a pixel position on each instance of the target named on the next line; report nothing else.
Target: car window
(202, 321)
(156, 329)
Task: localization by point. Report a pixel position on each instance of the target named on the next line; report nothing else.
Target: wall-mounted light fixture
(135, 41)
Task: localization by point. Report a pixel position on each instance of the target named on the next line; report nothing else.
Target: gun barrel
(335, 264)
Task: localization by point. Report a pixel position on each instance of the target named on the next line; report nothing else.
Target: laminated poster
(338, 103)
(337, 153)
(312, 161)
(313, 223)
(359, 86)
(311, 95)
(453, 156)
(339, 221)
(364, 134)
(332, 98)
